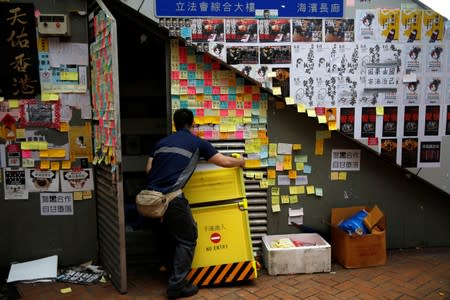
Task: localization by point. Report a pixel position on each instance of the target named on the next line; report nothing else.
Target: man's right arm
(226, 161)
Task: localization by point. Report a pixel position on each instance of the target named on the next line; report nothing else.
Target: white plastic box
(315, 258)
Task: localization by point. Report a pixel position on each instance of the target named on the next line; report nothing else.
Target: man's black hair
(183, 118)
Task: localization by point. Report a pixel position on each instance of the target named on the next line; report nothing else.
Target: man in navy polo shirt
(169, 167)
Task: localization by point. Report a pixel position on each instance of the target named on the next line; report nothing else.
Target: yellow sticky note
(264, 184)
(276, 90)
(275, 191)
(2, 99)
(301, 108)
(13, 103)
(380, 110)
(322, 119)
(289, 100)
(45, 164)
(258, 175)
(43, 153)
(319, 147)
(300, 166)
(296, 146)
(292, 174)
(311, 112)
(271, 181)
(271, 74)
(57, 152)
(64, 127)
(275, 199)
(334, 176)
(287, 162)
(285, 199)
(78, 196)
(292, 190)
(20, 133)
(252, 163)
(49, 97)
(87, 195)
(310, 189)
(272, 150)
(342, 175)
(65, 290)
(276, 208)
(54, 165)
(332, 125)
(279, 105)
(271, 174)
(72, 76)
(293, 199)
(301, 189)
(66, 165)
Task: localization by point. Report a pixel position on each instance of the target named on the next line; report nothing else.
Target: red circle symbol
(215, 237)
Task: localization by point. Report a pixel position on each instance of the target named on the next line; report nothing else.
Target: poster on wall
(433, 90)
(390, 121)
(411, 121)
(433, 26)
(412, 92)
(347, 125)
(389, 149)
(237, 55)
(207, 30)
(413, 58)
(40, 114)
(275, 55)
(76, 180)
(19, 66)
(241, 30)
(339, 30)
(434, 58)
(274, 30)
(366, 25)
(345, 159)
(368, 122)
(42, 180)
(281, 80)
(430, 153)
(409, 153)
(389, 22)
(56, 204)
(411, 25)
(307, 30)
(432, 115)
(80, 140)
(14, 184)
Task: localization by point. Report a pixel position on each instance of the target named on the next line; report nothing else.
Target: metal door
(107, 143)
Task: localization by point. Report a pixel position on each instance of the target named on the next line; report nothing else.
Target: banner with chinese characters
(19, 66)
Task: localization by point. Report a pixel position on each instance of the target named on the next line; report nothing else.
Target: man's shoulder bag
(154, 204)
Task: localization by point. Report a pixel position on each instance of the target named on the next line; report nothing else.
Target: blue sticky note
(307, 169)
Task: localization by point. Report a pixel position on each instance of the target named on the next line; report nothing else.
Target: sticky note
(276, 90)
(301, 108)
(319, 192)
(66, 165)
(65, 290)
(78, 196)
(301, 189)
(311, 112)
(56, 152)
(27, 162)
(280, 105)
(342, 175)
(45, 164)
(49, 97)
(380, 110)
(263, 184)
(319, 147)
(332, 125)
(307, 169)
(299, 166)
(322, 119)
(43, 153)
(292, 174)
(275, 191)
(293, 199)
(271, 173)
(64, 127)
(2, 99)
(275, 199)
(285, 199)
(20, 133)
(72, 76)
(87, 195)
(276, 208)
(296, 146)
(289, 100)
(334, 176)
(271, 74)
(13, 103)
(310, 189)
(54, 165)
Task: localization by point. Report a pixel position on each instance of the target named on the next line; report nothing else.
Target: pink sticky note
(183, 82)
(208, 134)
(192, 90)
(239, 112)
(207, 104)
(216, 90)
(231, 105)
(223, 97)
(175, 75)
(26, 153)
(224, 112)
(200, 112)
(240, 134)
(247, 104)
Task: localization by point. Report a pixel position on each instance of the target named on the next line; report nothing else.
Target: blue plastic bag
(355, 224)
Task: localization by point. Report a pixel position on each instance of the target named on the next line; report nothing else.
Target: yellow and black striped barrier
(226, 273)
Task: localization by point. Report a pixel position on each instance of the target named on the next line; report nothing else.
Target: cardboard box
(314, 258)
(357, 251)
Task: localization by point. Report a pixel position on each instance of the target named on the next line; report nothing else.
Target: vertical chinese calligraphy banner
(19, 73)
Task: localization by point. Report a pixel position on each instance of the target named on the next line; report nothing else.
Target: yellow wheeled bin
(224, 252)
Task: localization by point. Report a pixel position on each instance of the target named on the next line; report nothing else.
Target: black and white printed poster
(413, 58)
(368, 122)
(366, 25)
(42, 180)
(432, 115)
(281, 80)
(275, 55)
(237, 55)
(390, 121)
(14, 186)
(339, 30)
(411, 121)
(433, 90)
(409, 153)
(434, 58)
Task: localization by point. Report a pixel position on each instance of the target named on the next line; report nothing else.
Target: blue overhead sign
(248, 8)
